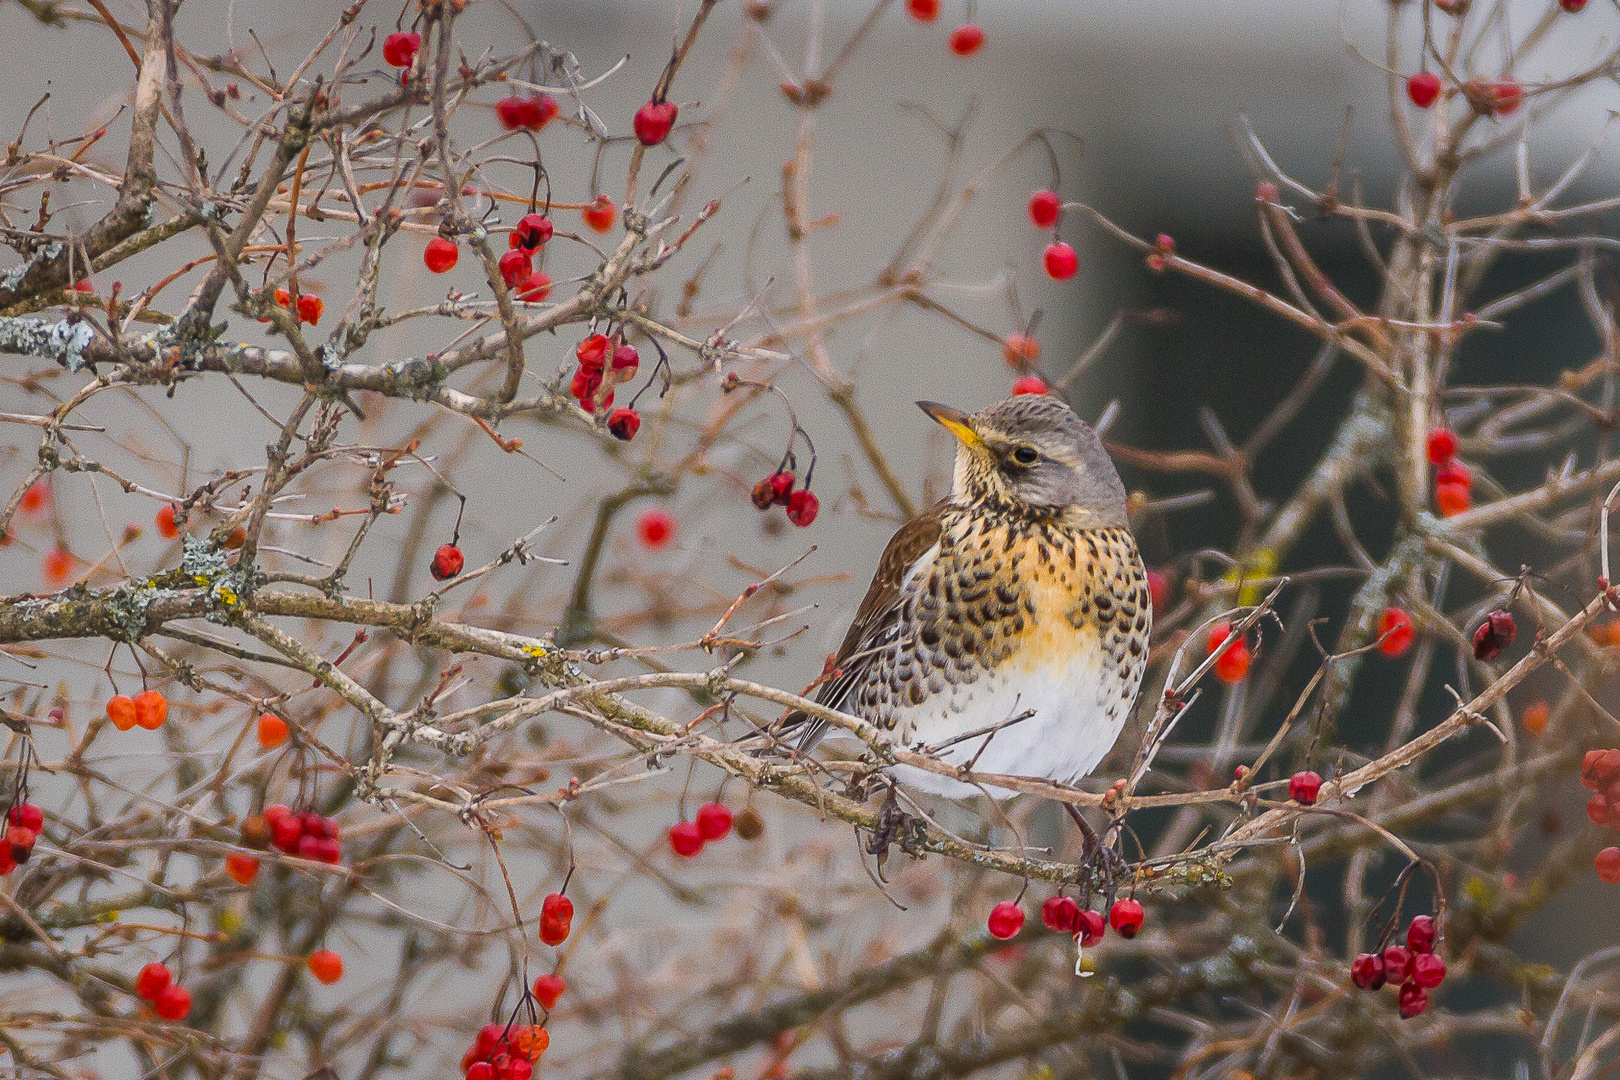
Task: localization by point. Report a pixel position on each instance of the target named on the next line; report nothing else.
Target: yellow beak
(954, 421)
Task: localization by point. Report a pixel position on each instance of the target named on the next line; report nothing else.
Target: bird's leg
(1094, 852)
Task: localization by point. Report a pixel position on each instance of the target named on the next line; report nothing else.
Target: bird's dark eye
(1025, 455)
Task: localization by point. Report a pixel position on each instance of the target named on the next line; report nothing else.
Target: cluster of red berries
(531, 113)
(777, 490)
(1600, 774)
(1062, 915)
(307, 835)
(517, 263)
(310, 308)
(712, 823)
(1394, 631)
(400, 48)
(965, 40)
(155, 984)
(148, 709)
(1494, 634)
(1453, 483)
(1045, 208)
(1233, 665)
(1415, 967)
(605, 360)
(23, 823)
(505, 1052)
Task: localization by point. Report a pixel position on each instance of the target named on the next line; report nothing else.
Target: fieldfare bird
(1021, 594)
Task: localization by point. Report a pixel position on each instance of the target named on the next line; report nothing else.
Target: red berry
(714, 821)
(1061, 261)
(1044, 208)
(1597, 808)
(1420, 934)
(1442, 446)
(1126, 917)
(440, 255)
(548, 988)
(685, 839)
(1505, 96)
(1397, 963)
(1428, 971)
(151, 709)
(152, 980)
(1414, 999)
(325, 965)
(121, 711)
(399, 49)
(1451, 499)
(242, 868)
(623, 423)
(1394, 631)
(592, 353)
(310, 309)
(599, 214)
(655, 528)
(1089, 927)
(1303, 786)
(625, 361)
(1020, 351)
(1572, 6)
(535, 288)
(1028, 384)
(802, 508)
(532, 231)
(7, 863)
(1607, 865)
(1233, 666)
(1494, 634)
(172, 1003)
(21, 842)
(28, 815)
(35, 498)
(1367, 971)
(1535, 717)
(447, 562)
(166, 526)
(967, 39)
(1061, 914)
(480, 1070)
(653, 122)
(764, 494)
(538, 111)
(1455, 472)
(1423, 88)
(1006, 919)
(556, 918)
(1158, 589)
(923, 10)
(58, 566)
(515, 267)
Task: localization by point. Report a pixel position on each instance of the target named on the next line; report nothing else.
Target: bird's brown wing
(876, 621)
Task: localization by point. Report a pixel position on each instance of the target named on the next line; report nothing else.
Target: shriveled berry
(1607, 865)
(1442, 445)
(1423, 88)
(1006, 919)
(714, 821)
(654, 121)
(625, 362)
(593, 352)
(1420, 934)
(242, 868)
(1414, 999)
(967, 39)
(1126, 917)
(1367, 971)
(655, 528)
(151, 709)
(1060, 260)
(21, 841)
(802, 508)
(623, 423)
(599, 213)
(399, 48)
(532, 231)
(1397, 963)
(151, 980)
(1089, 927)
(774, 490)
(1428, 971)
(1303, 787)
(685, 839)
(548, 988)
(447, 562)
(750, 826)
(440, 255)
(272, 731)
(1394, 631)
(1045, 207)
(1028, 384)
(1494, 634)
(515, 266)
(1061, 914)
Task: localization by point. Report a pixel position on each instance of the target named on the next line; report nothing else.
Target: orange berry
(326, 966)
(166, 526)
(1451, 499)
(242, 868)
(1534, 717)
(599, 214)
(1020, 351)
(236, 538)
(36, 498)
(151, 709)
(121, 711)
(272, 731)
(58, 566)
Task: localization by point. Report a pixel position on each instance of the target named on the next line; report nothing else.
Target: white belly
(1078, 713)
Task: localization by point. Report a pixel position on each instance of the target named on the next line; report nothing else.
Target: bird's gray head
(1033, 449)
